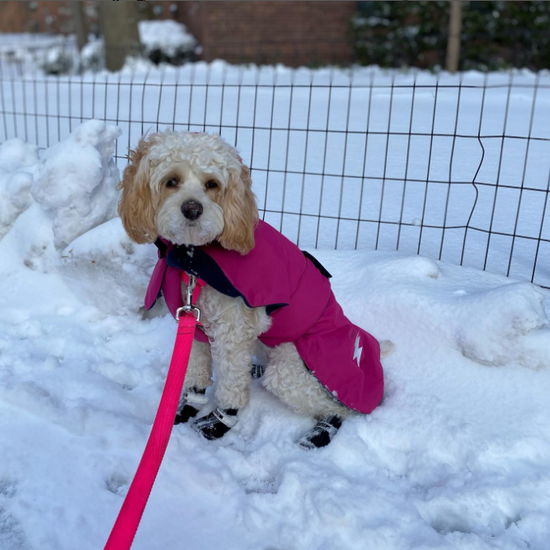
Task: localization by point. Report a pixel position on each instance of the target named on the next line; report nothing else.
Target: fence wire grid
(453, 167)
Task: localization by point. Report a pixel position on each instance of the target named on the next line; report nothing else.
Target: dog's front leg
(233, 329)
(197, 379)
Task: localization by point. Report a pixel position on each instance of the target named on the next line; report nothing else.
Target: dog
(191, 194)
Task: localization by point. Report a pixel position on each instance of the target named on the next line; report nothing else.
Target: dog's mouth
(193, 232)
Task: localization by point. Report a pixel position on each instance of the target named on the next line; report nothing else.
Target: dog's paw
(321, 434)
(186, 413)
(216, 424)
(193, 400)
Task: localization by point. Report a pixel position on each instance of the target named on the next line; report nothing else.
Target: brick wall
(45, 16)
(293, 33)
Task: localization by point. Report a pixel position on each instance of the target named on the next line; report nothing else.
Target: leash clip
(188, 307)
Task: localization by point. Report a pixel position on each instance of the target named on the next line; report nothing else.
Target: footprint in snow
(12, 535)
(116, 483)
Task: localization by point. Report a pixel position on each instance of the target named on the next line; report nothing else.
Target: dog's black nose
(191, 209)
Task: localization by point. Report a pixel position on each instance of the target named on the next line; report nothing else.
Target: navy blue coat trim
(196, 262)
(162, 247)
(317, 264)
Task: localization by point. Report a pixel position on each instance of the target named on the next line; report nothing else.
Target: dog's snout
(191, 209)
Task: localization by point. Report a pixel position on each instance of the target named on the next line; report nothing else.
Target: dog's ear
(240, 213)
(136, 207)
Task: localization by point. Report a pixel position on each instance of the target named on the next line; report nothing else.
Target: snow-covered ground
(57, 54)
(456, 457)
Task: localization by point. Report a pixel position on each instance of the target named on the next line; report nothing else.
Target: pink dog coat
(296, 292)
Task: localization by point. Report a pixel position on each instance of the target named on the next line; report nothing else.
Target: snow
(59, 55)
(76, 181)
(168, 36)
(16, 157)
(23, 46)
(456, 457)
(107, 270)
(92, 54)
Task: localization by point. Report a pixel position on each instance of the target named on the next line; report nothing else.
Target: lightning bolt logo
(358, 350)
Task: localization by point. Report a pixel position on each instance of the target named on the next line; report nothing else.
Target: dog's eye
(172, 182)
(211, 184)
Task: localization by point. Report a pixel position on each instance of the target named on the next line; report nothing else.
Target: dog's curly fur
(167, 169)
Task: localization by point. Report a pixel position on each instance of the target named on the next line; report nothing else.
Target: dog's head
(189, 188)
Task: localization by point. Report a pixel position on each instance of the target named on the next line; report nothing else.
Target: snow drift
(76, 181)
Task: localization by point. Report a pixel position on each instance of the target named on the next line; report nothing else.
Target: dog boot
(322, 433)
(216, 424)
(193, 400)
(257, 371)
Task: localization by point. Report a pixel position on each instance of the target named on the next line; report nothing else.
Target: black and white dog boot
(257, 371)
(193, 400)
(321, 434)
(216, 424)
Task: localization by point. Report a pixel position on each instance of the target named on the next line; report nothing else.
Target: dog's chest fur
(229, 320)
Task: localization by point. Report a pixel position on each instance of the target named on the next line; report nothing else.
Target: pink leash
(127, 522)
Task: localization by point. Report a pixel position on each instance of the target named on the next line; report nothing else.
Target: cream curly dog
(192, 189)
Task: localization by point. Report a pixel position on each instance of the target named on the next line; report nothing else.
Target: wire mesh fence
(453, 167)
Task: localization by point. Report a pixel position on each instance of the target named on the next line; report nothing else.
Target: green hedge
(494, 35)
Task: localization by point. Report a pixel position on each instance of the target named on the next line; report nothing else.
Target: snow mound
(106, 270)
(17, 160)
(16, 154)
(76, 181)
(498, 324)
(492, 324)
(168, 36)
(70, 196)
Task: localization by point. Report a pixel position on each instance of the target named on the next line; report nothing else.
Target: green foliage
(414, 34)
